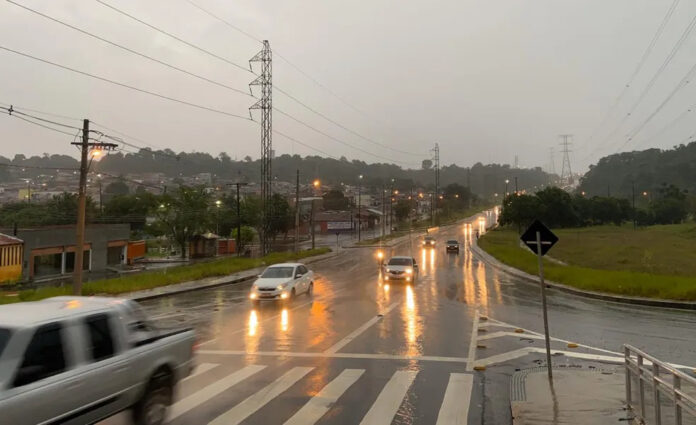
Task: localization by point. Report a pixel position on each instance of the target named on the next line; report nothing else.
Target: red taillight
(196, 345)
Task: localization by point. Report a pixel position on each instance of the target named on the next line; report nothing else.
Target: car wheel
(293, 293)
(152, 408)
(310, 289)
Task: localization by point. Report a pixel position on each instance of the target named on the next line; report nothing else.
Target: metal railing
(666, 385)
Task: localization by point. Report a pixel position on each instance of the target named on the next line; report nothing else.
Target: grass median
(155, 279)
(655, 262)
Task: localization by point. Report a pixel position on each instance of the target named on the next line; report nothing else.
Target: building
(50, 251)
(10, 258)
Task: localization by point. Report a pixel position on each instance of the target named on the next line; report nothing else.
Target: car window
(43, 357)
(4, 338)
(400, 262)
(101, 342)
(452, 242)
(302, 269)
(278, 272)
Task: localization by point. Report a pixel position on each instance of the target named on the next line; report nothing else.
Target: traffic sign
(548, 239)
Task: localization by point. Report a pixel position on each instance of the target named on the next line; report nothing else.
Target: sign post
(540, 239)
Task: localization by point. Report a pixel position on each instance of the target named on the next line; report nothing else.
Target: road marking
(472, 343)
(499, 358)
(342, 343)
(321, 403)
(387, 404)
(455, 406)
(184, 405)
(201, 368)
(256, 401)
(334, 355)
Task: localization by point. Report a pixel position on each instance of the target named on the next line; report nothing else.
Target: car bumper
(404, 276)
(269, 295)
(452, 248)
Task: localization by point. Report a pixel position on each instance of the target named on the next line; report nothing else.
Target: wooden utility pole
(297, 211)
(85, 162)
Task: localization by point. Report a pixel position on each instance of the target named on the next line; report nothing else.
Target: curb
(251, 274)
(651, 302)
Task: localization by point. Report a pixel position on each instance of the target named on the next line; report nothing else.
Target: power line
(303, 144)
(129, 50)
(243, 68)
(41, 112)
(12, 113)
(639, 66)
(37, 167)
(117, 83)
(284, 92)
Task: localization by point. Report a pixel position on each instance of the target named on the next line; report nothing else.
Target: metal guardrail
(666, 383)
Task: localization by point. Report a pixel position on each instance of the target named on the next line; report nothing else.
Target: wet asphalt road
(366, 351)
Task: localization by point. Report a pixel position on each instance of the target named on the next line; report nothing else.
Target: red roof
(9, 240)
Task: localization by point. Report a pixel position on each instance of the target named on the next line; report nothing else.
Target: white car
(401, 268)
(282, 282)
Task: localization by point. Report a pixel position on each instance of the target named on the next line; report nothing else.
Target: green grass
(606, 259)
(155, 279)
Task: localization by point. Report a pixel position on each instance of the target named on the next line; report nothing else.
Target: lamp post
(506, 187)
(218, 203)
(359, 204)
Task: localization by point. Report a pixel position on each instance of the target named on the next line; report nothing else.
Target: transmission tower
(552, 162)
(517, 162)
(566, 172)
(436, 161)
(265, 104)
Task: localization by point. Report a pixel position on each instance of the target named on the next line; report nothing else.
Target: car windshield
(4, 337)
(277, 272)
(400, 262)
(429, 238)
(452, 242)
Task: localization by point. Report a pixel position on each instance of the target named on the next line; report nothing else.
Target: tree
(335, 200)
(427, 164)
(118, 187)
(556, 208)
(402, 209)
(281, 219)
(520, 210)
(131, 209)
(246, 237)
(670, 207)
(184, 214)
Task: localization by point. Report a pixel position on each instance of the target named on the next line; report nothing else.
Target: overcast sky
(487, 80)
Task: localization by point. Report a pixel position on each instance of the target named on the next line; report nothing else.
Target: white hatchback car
(282, 282)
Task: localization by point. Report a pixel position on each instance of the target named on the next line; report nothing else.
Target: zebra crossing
(311, 407)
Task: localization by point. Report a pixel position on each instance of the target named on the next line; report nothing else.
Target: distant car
(429, 241)
(404, 268)
(452, 246)
(281, 282)
(78, 360)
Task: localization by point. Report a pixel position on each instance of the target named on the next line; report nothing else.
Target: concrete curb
(183, 287)
(651, 302)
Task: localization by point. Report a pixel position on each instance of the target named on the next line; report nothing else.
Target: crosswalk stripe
(256, 401)
(201, 368)
(455, 406)
(199, 397)
(387, 404)
(318, 405)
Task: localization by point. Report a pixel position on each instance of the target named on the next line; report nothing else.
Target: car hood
(264, 282)
(399, 268)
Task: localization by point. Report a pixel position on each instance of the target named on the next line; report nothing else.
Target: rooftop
(9, 240)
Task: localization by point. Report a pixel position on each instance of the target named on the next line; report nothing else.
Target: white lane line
(342, 343)
(321, 403)
(199, 397)
(499, 358)
(201, 368)
(256, 401)
(243, 329)
(387, 404)
(333, 355)
(455, 405)
(472, 343)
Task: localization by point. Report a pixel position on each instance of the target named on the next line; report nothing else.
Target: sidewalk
(211, 282)
(578, 397)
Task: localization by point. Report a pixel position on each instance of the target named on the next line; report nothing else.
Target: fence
(671, 392)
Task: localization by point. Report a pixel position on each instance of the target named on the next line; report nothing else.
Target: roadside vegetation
(155, 279)
(653, 262)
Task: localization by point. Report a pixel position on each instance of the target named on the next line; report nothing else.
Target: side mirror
(415, 266)
(298, 275)
(259, 276)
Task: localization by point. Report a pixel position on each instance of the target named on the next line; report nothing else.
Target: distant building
(50, 250)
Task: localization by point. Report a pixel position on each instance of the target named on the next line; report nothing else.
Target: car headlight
(409, 271)
(281, 286)
(388, 270)
(252, 295)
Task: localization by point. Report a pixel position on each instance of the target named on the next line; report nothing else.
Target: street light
(506, 186)
(316, 183)
(360, 177)
(218, 203)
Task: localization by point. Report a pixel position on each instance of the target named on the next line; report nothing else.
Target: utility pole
(436, 161)
(566, 172)
(265, 104)
(359, 204)
(633, 196)
(28, 191)
(85, 161)
(516, 191)
(239, 218)
(311, 222)
(297, 211)
(384, 210)
(101, 207)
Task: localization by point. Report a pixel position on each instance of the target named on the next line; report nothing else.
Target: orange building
(11, 254)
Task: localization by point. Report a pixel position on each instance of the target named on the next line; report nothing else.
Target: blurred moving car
(282, 282)
(78, 360)
(401, 268)
(429, 241)
(452, 246)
